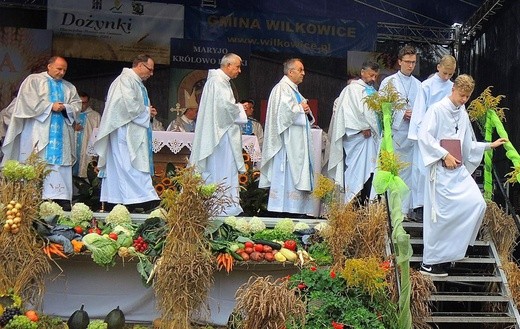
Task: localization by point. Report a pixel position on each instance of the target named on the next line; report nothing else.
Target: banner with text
(281, 33)
(204, 55)
(190, 61)
(115, 30)
(22, 52)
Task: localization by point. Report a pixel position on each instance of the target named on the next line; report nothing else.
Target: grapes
(9, 314)
(21, 322)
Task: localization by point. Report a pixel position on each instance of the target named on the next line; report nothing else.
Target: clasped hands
(58, 107)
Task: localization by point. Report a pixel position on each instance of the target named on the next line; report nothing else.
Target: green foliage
(321, 253)
(89, 189)
(330, 299)
(274, 234)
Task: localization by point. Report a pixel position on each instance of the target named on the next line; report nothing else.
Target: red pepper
(290, 244)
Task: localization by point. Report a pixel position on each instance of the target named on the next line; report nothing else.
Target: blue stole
(247, 128)
(299, 100)
(54, 150)
(149, 131)
(82, 120)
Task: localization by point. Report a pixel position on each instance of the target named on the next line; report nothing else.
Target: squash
(79, 319)
(115, 319)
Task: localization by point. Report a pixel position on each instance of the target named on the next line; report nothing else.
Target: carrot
(47, 251)
(57, 249)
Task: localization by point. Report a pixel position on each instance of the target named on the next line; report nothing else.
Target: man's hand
(306, 107)
(58, 107)
(451, 162)
(498, 142)
(407, 115)
(366, 133)
(153, 111)
(77, 127)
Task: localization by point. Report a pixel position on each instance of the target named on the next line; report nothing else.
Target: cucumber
(271, 244)
(235, 255)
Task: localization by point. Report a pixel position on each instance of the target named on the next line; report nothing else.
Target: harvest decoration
(183, 274)
(485, 111)
(24, 265)
(386, 179)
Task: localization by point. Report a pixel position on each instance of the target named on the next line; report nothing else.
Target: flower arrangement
(164, 181)
(389, 161)
(252, 198)
(478, 108)
(324, 189)
(388, 94)
(347, 299)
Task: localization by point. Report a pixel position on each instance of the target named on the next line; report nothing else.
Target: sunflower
(247, 166)
(256, 175)
(166, 181)
(243, 179)
(246, 157)
(159, 188)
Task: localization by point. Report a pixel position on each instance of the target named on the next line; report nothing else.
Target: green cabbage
(103, 248)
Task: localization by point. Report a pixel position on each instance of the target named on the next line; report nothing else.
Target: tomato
(113, 236)
(259, 247)
(267, 248)
(290, 244)
(269, 257)
(302, 286)
(78, 229)
(94, 230)
(249, 250)
(249, 244)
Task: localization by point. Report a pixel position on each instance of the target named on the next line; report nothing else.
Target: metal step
(477, 260)
(468, 298)
(472, 318)
(479, 243)
(467, 278)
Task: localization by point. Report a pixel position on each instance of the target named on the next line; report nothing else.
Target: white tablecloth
(175, 141)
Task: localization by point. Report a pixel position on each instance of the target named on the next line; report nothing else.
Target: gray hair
(228, 59)
(289, 64)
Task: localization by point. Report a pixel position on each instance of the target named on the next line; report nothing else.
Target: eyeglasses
(298, 70)
(149, 69)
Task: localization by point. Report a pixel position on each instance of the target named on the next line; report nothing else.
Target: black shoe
(433, 270)
(416, 215)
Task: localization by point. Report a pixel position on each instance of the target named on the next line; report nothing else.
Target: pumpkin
(79, 319)
(115, 319)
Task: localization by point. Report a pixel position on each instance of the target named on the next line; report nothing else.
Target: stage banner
(115, 30)
(204, 55)
(278, 33)
(190, 62)
(22, 52)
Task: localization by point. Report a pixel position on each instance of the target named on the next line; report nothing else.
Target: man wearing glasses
(124, 140)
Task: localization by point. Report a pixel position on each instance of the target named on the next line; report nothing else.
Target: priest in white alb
(217, 145)
(287, 164)
(86, 121)
(42, 120)
(432, 90)
(124, 140)
(408, 87)
(355, 137)
(453, 206)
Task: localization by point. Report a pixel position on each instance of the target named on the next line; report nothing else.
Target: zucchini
(271, 244)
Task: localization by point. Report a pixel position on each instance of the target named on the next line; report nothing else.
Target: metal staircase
(474, 295)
